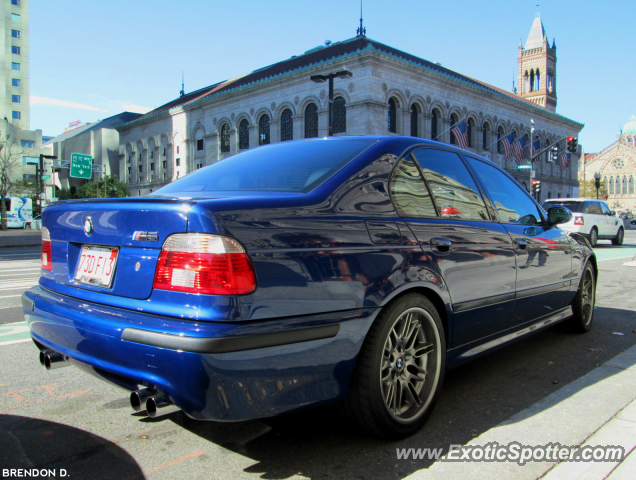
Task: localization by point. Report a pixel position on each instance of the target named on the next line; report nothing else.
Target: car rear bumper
(212, 371)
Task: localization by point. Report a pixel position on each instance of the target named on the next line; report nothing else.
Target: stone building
(617, 166)
(99, 140)
(390, 92)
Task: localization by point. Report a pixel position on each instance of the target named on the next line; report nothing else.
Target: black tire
(583, 305)
(405, 352)
(593, 237)
(620, 236)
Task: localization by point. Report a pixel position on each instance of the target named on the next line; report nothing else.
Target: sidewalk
(20, 238)
(597, 409)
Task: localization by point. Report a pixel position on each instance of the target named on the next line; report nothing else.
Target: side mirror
(613, 213)
(557, 215)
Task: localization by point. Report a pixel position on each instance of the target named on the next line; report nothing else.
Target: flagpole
(499, 139)
(450, 128)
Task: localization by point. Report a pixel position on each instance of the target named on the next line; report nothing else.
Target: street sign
(30, 160)
(81, 165)
(524, 167)
(45, 177)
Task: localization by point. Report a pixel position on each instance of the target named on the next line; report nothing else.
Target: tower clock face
(618, 163)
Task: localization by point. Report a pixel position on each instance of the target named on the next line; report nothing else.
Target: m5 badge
(146, 236)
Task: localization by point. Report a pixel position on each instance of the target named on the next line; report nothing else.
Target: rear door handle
(521, 243)
(442, 245)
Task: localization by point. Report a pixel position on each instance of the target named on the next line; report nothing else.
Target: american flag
(536, 146)
(517, 148)
(507, 142)
(461, 135)
(565, 160)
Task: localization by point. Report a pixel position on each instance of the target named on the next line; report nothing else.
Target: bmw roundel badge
(88, 225)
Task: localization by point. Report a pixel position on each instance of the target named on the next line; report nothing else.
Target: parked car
(347, 269)
(592, 218)
(14, 222)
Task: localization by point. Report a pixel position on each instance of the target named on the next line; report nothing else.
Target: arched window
(631, 185)
(286, 126)
(538, 80)
(453, 121)
(469, 131)
(625, 185)
(611, 186)
(392, 120)
(263, 130)
(225, 138)
(244, 134)
(531, 80)
(484, 136)
(414, 117)
(500, 134)
(526, 82)
(434, 120)
(311, 121)
(339, 115)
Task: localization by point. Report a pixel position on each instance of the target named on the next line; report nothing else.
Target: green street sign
(81, 166)
(46, 177)
(524, 167)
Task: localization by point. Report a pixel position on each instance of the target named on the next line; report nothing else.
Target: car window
(409, 192)
(281, 167)
(575, 207)
(605, 208)
(513, 204)
(453, 188)
(593, 207)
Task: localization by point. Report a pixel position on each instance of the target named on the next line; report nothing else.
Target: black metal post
(597, 183)
(331, 77)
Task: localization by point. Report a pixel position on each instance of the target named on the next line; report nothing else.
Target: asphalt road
(67, 419)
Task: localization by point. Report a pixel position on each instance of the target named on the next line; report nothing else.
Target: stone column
(274, 134)
(297, 128)
(406, 122)
(323, 123)
(233, 141)
(445, 127)
(211, 148)
(425, 128)
(253, 135)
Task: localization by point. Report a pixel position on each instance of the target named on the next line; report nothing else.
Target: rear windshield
(575, 207)
(296, 167)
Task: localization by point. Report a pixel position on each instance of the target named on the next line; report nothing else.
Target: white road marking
(11, 296)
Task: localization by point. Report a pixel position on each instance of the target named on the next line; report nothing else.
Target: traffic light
(554, 154)
(536, 186)
(572, 144)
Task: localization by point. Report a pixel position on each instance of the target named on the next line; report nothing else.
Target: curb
(569, 416)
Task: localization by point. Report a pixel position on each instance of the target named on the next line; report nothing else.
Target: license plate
(96, 265)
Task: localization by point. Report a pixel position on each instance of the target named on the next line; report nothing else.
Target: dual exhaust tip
(51, 360)
(155, 403)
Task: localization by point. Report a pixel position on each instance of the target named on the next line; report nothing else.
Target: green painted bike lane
(11, 333)
(611, 253)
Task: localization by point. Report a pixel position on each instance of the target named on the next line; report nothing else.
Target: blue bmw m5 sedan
(349, 270)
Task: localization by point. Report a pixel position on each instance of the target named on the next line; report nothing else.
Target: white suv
(591, 218)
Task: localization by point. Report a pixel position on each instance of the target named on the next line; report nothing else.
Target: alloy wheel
(411, 362)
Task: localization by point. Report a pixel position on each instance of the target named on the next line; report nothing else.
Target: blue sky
(92, 59)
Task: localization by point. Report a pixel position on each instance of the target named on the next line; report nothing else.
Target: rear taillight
(202, 263)
(578, 221)
(46, 250)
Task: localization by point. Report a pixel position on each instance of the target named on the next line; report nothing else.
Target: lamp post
(330, 77)
(597, 182)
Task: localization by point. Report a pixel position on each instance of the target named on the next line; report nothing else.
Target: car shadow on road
(34, 444)
(322, 444)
